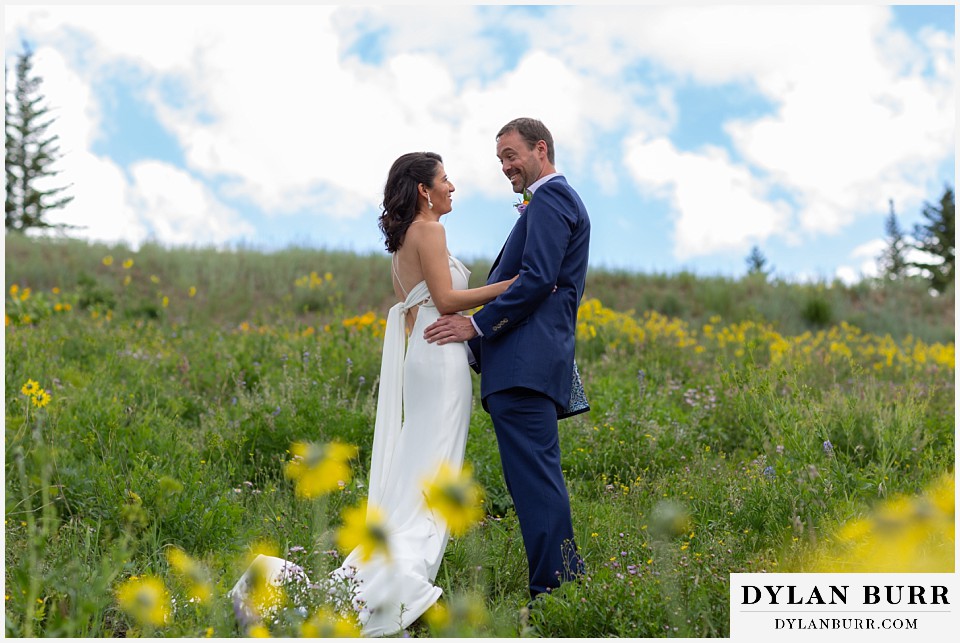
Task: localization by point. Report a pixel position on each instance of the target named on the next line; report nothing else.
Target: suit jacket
(529, 331)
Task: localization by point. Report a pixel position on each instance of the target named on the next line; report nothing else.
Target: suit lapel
(496, 262)
(521, 220)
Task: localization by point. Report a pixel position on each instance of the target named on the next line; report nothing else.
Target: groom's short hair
(532, 131)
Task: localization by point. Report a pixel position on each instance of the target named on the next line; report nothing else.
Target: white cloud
(180, 210)
(862, 113)
(716, 204)
(269, 104)
(101, 205)
(868, 257)
(855, 123)
(867, 254)
(162, 202)
(605, 176)
(292, 126)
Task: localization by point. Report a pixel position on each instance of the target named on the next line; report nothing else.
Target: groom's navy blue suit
(525, 357)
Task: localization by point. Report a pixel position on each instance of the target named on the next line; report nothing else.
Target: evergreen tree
(30, 153)
(893, 263)
(936, 236)
(756, 263)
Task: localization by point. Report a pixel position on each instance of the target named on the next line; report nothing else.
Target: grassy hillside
(154, 401)
(234, 286)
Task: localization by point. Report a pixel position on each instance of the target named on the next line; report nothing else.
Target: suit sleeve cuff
(475, 327)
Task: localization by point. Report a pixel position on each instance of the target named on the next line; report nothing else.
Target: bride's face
(442, 191)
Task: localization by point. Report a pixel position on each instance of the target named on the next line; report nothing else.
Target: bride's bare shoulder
(426, 233)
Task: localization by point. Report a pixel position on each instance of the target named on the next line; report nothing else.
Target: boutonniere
(521, 206)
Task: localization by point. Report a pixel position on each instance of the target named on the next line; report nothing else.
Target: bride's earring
(429, 202)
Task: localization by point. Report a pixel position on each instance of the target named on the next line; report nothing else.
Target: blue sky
(692, 133)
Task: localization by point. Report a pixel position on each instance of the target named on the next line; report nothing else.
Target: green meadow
(153, 399)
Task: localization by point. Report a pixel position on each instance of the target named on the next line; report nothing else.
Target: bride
(433, 382)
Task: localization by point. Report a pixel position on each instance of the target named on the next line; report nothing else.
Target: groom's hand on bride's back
(450, 328)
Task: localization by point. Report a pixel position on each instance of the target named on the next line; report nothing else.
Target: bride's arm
(432, 248)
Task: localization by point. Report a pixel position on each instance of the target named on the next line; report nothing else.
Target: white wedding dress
(423, 414)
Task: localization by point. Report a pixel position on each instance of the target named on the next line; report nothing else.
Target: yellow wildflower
(192, 292)
(265, 548)
(199, 587)
(258, 631)
(319, 469)
(438, 616)
(463, 614)
(904, 534)
(456, 497)
(40, 399)
(108, 260)
(165, 301)
(14, 289)
(30, 388)
(154, 279)
(324, 623)
(364, 528)
(146, 599)
(127, 264)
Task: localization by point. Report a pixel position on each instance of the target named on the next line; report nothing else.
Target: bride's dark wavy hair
(400, 194)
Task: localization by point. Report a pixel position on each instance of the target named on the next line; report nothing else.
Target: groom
(523, 342)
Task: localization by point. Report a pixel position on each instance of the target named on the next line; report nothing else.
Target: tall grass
(715, 444)
(248, 282)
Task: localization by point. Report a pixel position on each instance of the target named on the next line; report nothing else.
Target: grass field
(153, 400)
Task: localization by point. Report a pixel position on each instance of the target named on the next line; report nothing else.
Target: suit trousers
(525, 422)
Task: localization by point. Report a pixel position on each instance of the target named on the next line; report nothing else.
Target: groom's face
(519, 163)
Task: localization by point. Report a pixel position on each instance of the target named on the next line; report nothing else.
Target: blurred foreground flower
(319, 469)
(324, 623)
(904, 534)
(199, 587)
(462, 616)
(669, 519)
(146, 599)
(258, 631)
(262, 589)
(456, 497)
(364, 527)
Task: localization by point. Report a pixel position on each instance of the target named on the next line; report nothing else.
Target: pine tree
(30, 153)
(757, 263)
(893, 262)
(936, 237)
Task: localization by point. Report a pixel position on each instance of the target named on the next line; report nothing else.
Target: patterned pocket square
(578, 397)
